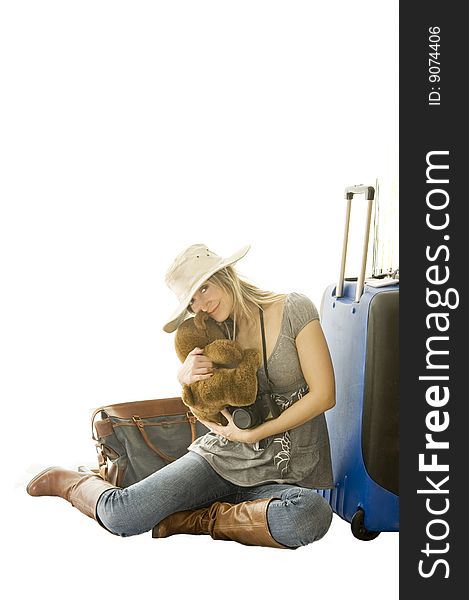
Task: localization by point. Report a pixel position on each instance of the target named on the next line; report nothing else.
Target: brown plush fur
(234, 381)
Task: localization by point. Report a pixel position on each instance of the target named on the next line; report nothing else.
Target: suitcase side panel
(345, 324)
(344, 334)
(380, 427)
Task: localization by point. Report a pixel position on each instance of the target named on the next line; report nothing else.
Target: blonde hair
(243, 294)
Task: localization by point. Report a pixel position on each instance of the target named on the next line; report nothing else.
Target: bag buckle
(138, 421)
(191, 418)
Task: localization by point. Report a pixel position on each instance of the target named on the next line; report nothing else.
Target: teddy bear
(234, 380)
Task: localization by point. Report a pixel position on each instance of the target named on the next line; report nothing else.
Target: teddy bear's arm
(223, 352)
(187, 396)
(240, 384)
(203, 405)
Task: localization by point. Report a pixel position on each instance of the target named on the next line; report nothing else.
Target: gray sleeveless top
(301, 455)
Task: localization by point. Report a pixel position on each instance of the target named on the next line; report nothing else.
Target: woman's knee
(118, 516)
(299, 518)
(318, 514)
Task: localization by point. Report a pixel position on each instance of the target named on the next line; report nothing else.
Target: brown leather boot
(245, 523)
(81, 490)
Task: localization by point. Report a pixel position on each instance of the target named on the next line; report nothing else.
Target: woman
(253, 486)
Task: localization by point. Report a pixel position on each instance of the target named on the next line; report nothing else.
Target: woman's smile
(213, 310)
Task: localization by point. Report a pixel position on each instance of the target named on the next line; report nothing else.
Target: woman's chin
(219, 317)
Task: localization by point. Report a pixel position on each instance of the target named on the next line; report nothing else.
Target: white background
(130, 130)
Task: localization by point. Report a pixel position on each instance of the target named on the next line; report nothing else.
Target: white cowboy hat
(188, 272)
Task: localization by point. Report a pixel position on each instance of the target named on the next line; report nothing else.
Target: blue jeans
(296, 517)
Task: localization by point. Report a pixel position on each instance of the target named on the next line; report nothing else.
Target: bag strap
(264, 350)
(141, 428)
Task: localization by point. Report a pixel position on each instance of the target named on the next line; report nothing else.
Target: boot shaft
(81, 490)
(245, 523)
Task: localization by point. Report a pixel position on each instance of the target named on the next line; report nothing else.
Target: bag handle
(144, 408)
(191, 419)
(93, 419)
(350, 191)
(141, 428)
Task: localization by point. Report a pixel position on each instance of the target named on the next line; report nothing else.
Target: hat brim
(181, 313)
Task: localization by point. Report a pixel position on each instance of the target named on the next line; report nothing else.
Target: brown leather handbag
(135, 439)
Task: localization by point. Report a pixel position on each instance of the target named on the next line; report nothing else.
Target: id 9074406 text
(434, 78)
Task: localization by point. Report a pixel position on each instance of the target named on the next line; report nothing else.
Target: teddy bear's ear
(184, 339)
(200, 321)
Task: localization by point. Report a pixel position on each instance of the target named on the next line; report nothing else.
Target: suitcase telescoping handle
(369, 196)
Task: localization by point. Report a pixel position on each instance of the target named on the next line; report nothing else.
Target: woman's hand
(196, 367)
(231, 431)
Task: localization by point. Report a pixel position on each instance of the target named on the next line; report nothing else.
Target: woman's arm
(316, 365)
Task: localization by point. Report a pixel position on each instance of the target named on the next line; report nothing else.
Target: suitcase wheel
(358, 527)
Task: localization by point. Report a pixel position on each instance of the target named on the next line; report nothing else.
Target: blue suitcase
(361, 324)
